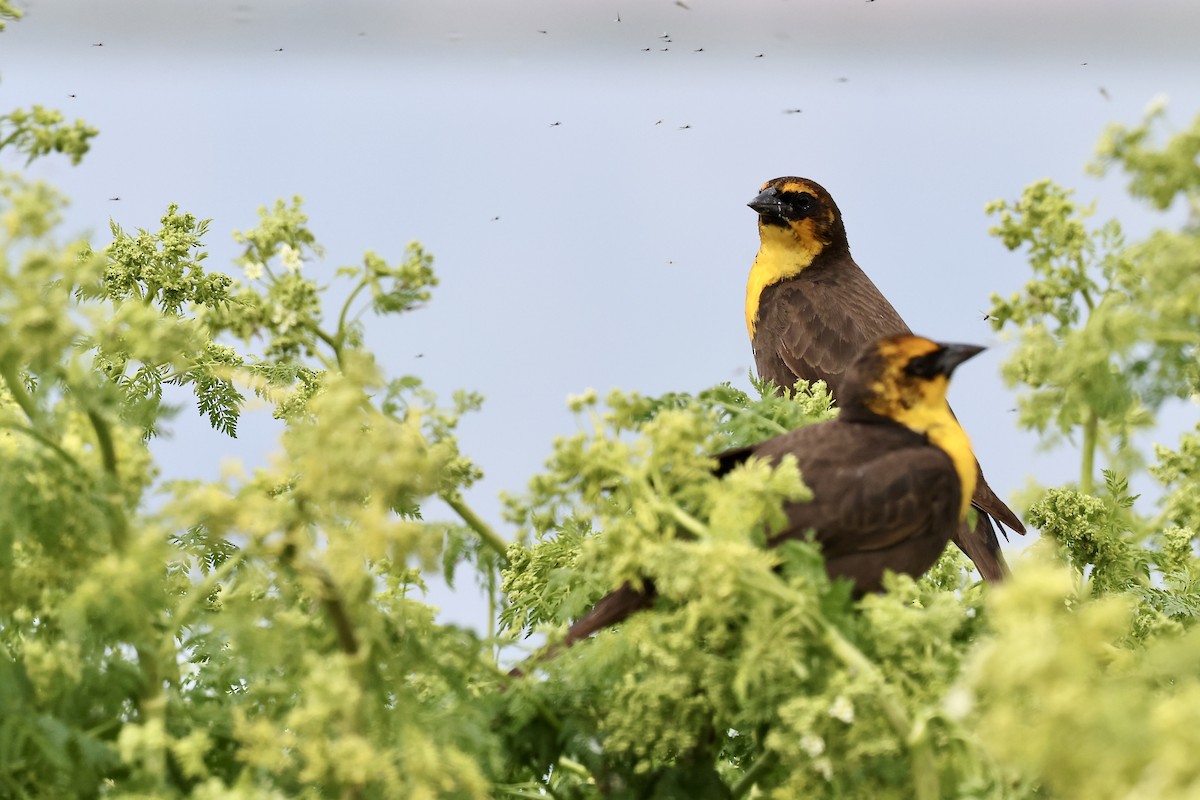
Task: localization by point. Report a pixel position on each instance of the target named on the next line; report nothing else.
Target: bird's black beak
(951, 355)
(767, 203)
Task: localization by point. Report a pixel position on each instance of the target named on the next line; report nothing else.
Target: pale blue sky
(623, 239)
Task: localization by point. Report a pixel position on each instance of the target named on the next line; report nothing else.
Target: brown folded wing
(884, 498)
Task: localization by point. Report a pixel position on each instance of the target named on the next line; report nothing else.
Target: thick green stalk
(1088, 468)
(104, 439)
(751, 776)
(334, 344)
(16, 388)
(116, 503)
(490, 538)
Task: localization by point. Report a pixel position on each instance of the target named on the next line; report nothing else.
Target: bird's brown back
(885, 498)
(812, 326)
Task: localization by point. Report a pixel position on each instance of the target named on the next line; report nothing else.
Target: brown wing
(812, 326)
(883, 498)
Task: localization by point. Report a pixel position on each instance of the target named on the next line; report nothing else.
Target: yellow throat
(929, 414)
(782, 254)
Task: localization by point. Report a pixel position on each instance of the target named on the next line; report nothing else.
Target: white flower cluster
(290, 258)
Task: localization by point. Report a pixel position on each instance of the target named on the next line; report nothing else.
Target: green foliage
(1095, 533)
(1159, 173)
(280, 304)
(1072, 335)
(155, 283)
(1067, 703)
(1108, 331)
(264, 635)
(258, 636)
(751, 662)
(40, 131)
(8, 11)
(1082, 688)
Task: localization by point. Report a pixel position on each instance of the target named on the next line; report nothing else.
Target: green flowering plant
(266, 634)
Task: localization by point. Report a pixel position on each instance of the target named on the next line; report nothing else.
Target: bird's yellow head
(905, 378)
(797, 222)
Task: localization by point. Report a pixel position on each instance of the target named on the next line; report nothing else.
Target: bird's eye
(923, 367)
(801, 204)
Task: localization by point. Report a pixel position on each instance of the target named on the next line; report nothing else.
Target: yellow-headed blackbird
(891, 476)
(810, 310)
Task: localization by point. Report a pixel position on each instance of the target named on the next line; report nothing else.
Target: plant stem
(341, 326)
(737, 410)
(1176, 337)
(16, 388)
(333, 343)
(751, 776)
(108, 454)
(153, 706)
(685, 520)
(1087, 297)
(104, 438)
(49, 444)
(338, 340)
(490, 538)
(343, 626)
(571, 765)
(925, 777)
(1090, 425)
